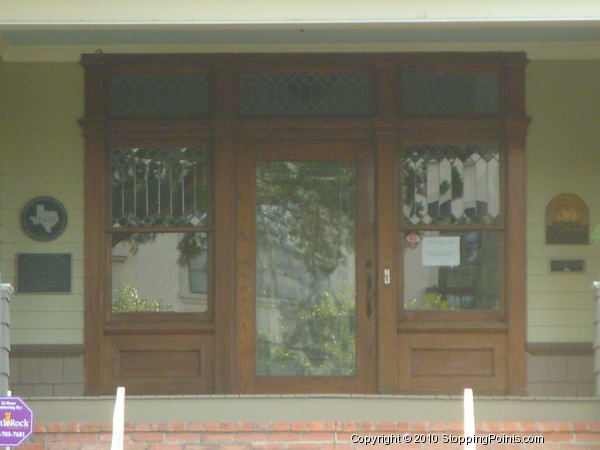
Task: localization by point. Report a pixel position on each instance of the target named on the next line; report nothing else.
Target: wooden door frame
(384, 130)
(249, 153)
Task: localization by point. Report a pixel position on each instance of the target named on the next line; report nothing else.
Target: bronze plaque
(43, 272)
(567, 220)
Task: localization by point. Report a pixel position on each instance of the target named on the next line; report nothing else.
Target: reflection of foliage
(596, 234)
(135, 240)
(321, 340)
(312, 225)
(305, 215)
(430, 301)
(129, 300)
(190, 246)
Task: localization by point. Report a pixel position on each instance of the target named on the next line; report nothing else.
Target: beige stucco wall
(41, 153)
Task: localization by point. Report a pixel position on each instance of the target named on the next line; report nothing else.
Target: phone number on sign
(423, 438)
(15, 434)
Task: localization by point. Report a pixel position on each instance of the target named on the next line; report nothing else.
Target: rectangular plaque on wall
(43, 272)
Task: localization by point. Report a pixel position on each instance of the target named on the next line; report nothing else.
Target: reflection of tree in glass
(305, 212)
(129, 300)
(322, 340)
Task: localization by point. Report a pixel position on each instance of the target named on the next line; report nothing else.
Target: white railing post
(597, 342)
(5, 292)
(469, 420)
(118, 420)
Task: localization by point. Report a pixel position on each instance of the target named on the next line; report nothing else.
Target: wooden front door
(306, 277)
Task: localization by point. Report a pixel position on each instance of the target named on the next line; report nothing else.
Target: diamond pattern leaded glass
(305, 94)
(449, 93)
(159, 187)
(451, 184)
(153, 95)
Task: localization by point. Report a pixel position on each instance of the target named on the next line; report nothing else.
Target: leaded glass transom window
(451, 184)
(440, 93)
(159, 95)
(159, 187)
(305, 94)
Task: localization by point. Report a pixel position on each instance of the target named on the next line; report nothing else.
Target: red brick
(132, 446)
(217, 437)
(281, 426)
(166, 447)
(39, 427)
(388, 426)
(73, 427)
(212, 426)
(315, 426)
(176, 426)
(90, 427)
(80, 437)
(558, 437)
(563, 426)
(456, 426)
(62, 446)
(254, 436)
(55, 427)
(318, 436)
(195, 426)
(147, 436)
(182, 437)
(245, 426)
(588, 437)
(263, 426)
(544, 426)
(32, 447)
(230, 426)
(46, 437)
(336, 446)
(510, 427)
(350, 426)
(303, 446)
(267, 446)
(438, 426)
(580, 426)
(299, 426)
(594, 426)
(234, 446)
(201, 447)
(284, 436)
(420, 426)
(369, 426)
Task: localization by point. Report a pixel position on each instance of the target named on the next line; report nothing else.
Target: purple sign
(16, 421)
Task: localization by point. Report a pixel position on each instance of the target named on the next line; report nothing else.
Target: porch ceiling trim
(572, 39)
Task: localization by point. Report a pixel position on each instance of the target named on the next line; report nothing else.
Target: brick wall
(309, 435)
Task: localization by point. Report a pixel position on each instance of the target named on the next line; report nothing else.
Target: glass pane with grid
(425, 93)
(305, 94)
(451, 184)
(159, 187)
(164, 95)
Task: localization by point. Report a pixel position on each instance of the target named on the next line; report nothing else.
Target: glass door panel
(305, 268)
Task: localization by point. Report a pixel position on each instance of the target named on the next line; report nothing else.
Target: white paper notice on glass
(441, 251)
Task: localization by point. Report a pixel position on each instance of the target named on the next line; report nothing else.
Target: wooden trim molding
(560, 348)
(46, 351)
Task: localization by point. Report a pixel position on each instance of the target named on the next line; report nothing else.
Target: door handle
(369, 296)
